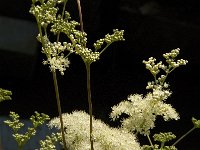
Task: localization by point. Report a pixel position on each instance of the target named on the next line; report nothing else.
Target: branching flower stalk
(46, 14)
(87, 60)
(87, 65)
(56, 90)
(143, 110)
(44, 24)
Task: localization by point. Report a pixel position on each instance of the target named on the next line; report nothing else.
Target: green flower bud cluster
(45, 13)
(156, 147)
(79, 41)
(54, 49)
(63, 25)
(156, 68)
(16, 125)
(5, 95)
(108, 39)
(152, 66)
(86, 54)
(170, 59)
(50, 141)
(164, 137)
(116, 36)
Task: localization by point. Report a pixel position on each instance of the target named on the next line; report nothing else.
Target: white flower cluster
(142, 111)
(55, 55)
(105, 137)
(46, 13)
(60, 63)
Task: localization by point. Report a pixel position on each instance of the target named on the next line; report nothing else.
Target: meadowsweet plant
(15, 124)
(51, 20)
(142, 110)
(60, 37)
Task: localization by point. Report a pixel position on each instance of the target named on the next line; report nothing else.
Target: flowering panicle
(143, 110)
(108, 39)
(105, 138)
(170, 59)
(55, 55)
(46, 14)
(156, 68)
(64, 25)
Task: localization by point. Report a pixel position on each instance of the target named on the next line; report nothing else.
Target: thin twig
(183, 136)
(88, 78)
(80, 15)
(89, 102)
(59, 108)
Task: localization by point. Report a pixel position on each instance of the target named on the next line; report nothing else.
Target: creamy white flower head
(159, 93)
(105, 137)
(60, 63)
(142, 111)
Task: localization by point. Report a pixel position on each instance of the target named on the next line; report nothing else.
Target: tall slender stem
(56, 90)
(88, 78)
(59, 108)
(80, 14)
(89, 101)
(183, 136)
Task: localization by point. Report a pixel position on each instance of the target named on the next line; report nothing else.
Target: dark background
(151, 29)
